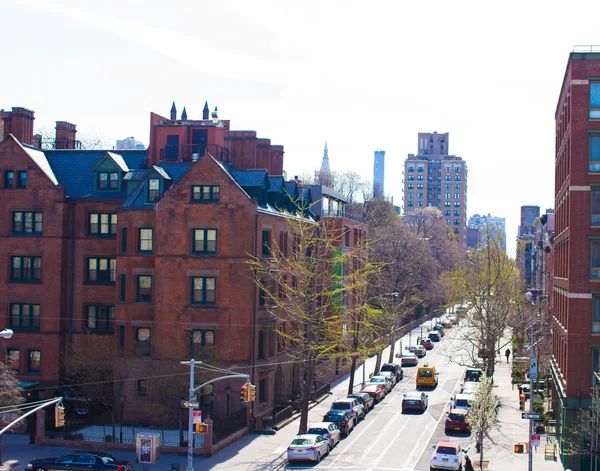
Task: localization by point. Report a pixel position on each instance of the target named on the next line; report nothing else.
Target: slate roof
(73, 169)
(40, 160)
(276, 184)
(248, 178)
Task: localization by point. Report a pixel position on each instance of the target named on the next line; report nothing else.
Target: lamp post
(532, 373)
(122, 398)
(6, 334)
(228, 392)
(212, 396)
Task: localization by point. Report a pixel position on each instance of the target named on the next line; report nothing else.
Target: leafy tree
(483, 413)
(10, 395)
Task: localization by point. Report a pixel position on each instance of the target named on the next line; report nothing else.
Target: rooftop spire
(205, 111)
(325, 172)
(173, 112)
(184, 114)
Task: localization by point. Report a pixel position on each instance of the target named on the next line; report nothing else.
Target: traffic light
(244, 393)
(252, 393)
(200, 427)
(519, 448)
(59, 416)
(522, 402)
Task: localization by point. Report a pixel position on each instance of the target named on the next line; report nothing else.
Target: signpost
(531, 416)
(535, 440)
(190, 404)
(197, 417)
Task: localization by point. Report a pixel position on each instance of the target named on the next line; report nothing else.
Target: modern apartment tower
(379, 174)
(435, 178)
(576, 291)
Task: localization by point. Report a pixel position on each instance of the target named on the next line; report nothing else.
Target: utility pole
(532, 373)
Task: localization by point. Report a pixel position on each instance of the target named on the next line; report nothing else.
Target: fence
(124, 434)
(283, 414)
(229, 425)
(321, 391)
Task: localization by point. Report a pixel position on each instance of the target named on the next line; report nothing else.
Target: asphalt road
(388, 440)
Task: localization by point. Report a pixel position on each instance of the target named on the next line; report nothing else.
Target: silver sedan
(308, 448)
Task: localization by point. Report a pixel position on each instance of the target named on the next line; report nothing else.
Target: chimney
(205, 111)
(173, 112)
(65, 135)
(19, 123)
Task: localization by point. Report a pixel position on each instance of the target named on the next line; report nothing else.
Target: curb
(280, 425)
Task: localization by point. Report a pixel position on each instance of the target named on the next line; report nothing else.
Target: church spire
(325, 172)
(173, 112)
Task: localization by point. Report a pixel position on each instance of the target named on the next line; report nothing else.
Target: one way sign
(530, 416)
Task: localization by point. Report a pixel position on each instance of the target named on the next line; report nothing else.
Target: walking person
(468, 464)
(507, 353)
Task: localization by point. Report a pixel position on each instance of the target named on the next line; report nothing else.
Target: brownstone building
(146, 250)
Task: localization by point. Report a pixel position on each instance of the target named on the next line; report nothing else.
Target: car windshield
(340, 406)
(333, 418)
(425, 373)
(107, 460)
(302, 441)
(446, 450)
(377, 380)
(462, 403)
(319, 431)
(456, 416)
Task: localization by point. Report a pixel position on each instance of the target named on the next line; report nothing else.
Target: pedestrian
(507, 353)
(468, 464)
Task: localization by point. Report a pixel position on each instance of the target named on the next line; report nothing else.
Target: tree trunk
(352, 373)
(481, 450)
(377, 362)
(306, 390)
(392, 348)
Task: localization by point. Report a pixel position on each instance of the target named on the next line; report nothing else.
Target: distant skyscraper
(435, 178)
(325, 172)
(378, 174)
(495, 226)
(129, 143)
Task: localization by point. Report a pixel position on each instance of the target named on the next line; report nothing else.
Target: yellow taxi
(427, 376)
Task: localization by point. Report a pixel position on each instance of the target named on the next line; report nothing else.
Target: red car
(375, 390)
(427, 343)
(457, 421)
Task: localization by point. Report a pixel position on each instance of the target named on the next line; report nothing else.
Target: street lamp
(532, 374)
(122, 398)
(6, 334)
(212, 396)
(228, 392)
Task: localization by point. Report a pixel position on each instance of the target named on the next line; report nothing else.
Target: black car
(84, 460)
(364, 399)
(344, 420)
(394, 368)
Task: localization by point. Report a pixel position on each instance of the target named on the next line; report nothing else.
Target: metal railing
(341, 213)
(229, 425)
(321, 391)
(283, 414)
(192, 152)
(586, 48)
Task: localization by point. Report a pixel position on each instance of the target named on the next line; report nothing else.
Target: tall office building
(379, 174)
(435, 178)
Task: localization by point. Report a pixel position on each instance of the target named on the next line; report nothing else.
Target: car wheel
(318, 457)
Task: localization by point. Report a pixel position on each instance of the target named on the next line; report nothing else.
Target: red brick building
(576, 252)
(147, 250)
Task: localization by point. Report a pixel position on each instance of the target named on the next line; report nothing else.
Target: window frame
(146, 351)
(9, 360)
(204, 290)
(29, 362)
(109, 181)
(138, 295)
(9, 179)
(142, 388)
(594, 269)
(31, 269)
(110, 224)
(33, 320)
(594, 108)
(153, 193)
(21, 179)
(205, 193)
(594, 153)
(97, 280)
(34, 223)
(141, 241)
(196, 348)
(109, 320)
(596, 313)
(205, 231)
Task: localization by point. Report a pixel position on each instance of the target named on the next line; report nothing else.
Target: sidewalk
(498, 448)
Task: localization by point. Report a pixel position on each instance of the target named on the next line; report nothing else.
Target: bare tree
(11, 396)
(350, 184)
(483, 413)
(84, 141)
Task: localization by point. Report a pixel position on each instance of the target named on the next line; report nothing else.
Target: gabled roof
(116, 158)
(276, 184)
(40, 160)
(161, 172)
(251, 178)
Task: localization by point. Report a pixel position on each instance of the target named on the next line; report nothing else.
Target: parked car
(457, 421)
(434, 335)
(473, 374)
(469, 387)
(427, 343)
(327, 430)
(375, 390)
(83, 460)
(418, 350)
(462, 401)
(427, 376)
(349, 404)
(446, 323)
(453, 319)
(409, 359)
(415, 400)
(394, 368)
(385, 380)
(308, 447)
(439, 328)
(344, 420)
(390, 375)
(447, 455)
(367, 401)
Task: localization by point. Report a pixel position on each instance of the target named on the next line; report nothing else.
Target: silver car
(308, 448)
(327, 430)
(385, 380)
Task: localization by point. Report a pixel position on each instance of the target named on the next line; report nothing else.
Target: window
(419, 195)
(14, 359)
(108, 180)
(9, 179)
(457, 204)
(22, 181)
(446, 195)
(420, 178)
(199, 339)
(594, 100)
(283, 243)
(142, 341)
(456, 231)
(27, 222)
(419, 169)
(411, 178)
(596, 315)
(26, 269)
(99, 318)
(411, 195)
(144, 289)
(266, 243)
(124, 240)
(457, 213)
(121, 337)
(411, 168)
(145, 240)
(595, 265)
(594, 164)
(411, 186)
(456, 169)
(101, 271)
(261, 345)
(420, 204)
(457, 178)
(410, 204)
(141, 387)
(447, 178)
(456, 187)
(203, 290)
(595, 216)
(456, 195)
(206, 193)
(24, 317)
(446, 213)
(123, 288)
(262, 390)
(447, 204)
(204, 240)
(420, 186)
(153, 189)
(34, 361)
(457, 222)
(446, 187)
(430, 179)
(102, 224)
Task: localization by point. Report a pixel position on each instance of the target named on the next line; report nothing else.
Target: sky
(362, 76)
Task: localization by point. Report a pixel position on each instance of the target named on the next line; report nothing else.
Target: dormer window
(108, 180)
(153, 189)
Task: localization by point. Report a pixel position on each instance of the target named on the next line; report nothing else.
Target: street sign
(197, 418)
(535, 439)
(190, 404)
(533, 368)
(531, 416)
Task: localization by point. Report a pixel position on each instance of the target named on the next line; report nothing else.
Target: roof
(416, 394)
(40, 160)
(451, 444)
(247, 178)
(276, 184)
(73, 168)
(118, 158)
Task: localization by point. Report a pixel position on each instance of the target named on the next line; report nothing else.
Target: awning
(27, 384)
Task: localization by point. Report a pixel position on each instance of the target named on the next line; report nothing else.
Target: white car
(447, 455)
(308, 447)
(328, 430)
(387, 382)
(351, 405)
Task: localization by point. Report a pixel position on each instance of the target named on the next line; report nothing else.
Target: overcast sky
(360, 75)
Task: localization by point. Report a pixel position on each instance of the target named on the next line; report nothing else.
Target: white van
(462, 401)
